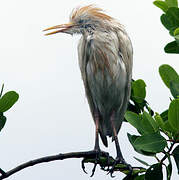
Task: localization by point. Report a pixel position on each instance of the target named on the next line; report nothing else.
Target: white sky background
(52, 114)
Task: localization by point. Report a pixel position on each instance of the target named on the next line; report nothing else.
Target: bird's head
(84, 19)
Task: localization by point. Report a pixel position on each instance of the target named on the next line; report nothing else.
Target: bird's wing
(83, 60)
(126, 54)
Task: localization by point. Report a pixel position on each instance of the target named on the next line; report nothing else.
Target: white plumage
(105, 60)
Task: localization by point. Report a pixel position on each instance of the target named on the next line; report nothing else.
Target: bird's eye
(81, 21)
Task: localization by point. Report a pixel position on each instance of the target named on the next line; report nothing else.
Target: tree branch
(89, 157)
(86, 154)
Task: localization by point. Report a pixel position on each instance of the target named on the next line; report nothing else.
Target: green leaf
(171, 19)
(2, 121)
(154, 143)
(159, 121)
(168, 23)
(176, 156)
(164, 115)
(147, 119)
(146, 126)
(135, 120)
(169, 169)
(168, 127)
(172, 47)
(172, 3)
(154, 172)
(173, 115)
(174, 88)
(141, 161)
(8, 100)
(168, 74)
(176, 32)
(161, 4)
(132, 139)
(138, 90)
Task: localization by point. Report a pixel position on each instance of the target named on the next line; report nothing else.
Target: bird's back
(105, 61)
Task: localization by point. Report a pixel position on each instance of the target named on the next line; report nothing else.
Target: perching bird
(105, 59)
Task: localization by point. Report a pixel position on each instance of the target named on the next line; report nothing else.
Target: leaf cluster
(170, 20)
(159, 132)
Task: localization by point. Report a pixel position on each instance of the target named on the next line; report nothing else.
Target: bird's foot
(95, 156)
(120, 160)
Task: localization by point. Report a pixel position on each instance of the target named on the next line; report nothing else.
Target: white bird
(105, 58)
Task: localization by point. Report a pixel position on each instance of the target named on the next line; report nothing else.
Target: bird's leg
(96, 146)
(96, 117)
(96, 151)
(119, 158)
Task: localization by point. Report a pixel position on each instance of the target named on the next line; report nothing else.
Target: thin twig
(2, 90)
(166, 153)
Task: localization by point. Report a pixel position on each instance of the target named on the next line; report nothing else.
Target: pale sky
(52, 114)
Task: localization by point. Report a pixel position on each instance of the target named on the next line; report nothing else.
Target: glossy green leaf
(176, 156)
(138, 90)
(8, 100)
(2, 121)
(174, 88)
(135, 120)
(161, 4)
(149, 121)
(142, 161)
(168, 23)
(154, 143)
(172, 47)
(172, 3)
(159, 121)
(168, 127)
(168, 74)
(146, 126)
(173, 115)
(132, 139)
(164, 115)
(154, 172)
(171, 19)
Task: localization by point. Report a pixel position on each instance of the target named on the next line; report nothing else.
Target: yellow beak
(61, 28)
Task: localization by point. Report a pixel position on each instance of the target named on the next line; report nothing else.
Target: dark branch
(167, 153)
(88, 155)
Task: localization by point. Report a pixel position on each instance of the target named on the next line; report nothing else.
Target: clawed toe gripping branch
(88, 157)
